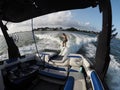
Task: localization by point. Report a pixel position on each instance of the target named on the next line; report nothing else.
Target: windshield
(49, 28)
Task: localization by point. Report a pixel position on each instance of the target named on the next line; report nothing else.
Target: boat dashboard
(19, 74)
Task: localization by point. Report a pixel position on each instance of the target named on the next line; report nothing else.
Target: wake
(75, 41)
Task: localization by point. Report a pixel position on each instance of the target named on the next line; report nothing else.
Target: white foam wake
(113, 74)
(75, 41)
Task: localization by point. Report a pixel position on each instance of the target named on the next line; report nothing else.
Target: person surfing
(64, 40)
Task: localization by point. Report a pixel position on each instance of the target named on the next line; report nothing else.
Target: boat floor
(79, 82)
(44, 85)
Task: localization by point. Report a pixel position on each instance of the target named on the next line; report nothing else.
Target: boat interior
(48, 70)
(30, 73)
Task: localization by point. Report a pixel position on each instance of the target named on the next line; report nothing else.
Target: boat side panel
(96, 83)
(69, 84)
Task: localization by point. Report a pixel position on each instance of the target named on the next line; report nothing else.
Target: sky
(116, 15)
(89, 19)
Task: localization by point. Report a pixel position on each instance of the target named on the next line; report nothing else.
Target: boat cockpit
(39, 71)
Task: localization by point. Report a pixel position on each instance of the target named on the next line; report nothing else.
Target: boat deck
(28, 74)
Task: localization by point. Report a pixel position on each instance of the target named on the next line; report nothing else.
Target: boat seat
(64, 61)
(47, 54)
(96, 82)
(46, 83)
(59, 68)
(58, 77)
(75, 60)
(59, 59)
(53, 59)
(53, 76)
(56, 68)
(74, 69)
(51, 54)
(69, 83)
(75, 80)
(54, 73)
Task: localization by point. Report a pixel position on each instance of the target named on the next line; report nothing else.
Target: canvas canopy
(20, 10)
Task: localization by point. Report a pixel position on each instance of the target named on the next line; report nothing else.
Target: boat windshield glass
(72, 31)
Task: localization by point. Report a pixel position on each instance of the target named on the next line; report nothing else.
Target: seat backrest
(75, 60)
(69, 83)
(96, 82)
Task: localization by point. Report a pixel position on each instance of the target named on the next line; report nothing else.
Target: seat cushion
(69, 83)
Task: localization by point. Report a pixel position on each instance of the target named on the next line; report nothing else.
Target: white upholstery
(75, 62)
(86, 63)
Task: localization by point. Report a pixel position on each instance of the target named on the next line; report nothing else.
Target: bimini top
(20, 10)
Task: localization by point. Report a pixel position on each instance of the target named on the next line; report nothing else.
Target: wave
(113, 74)
(75, 41)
